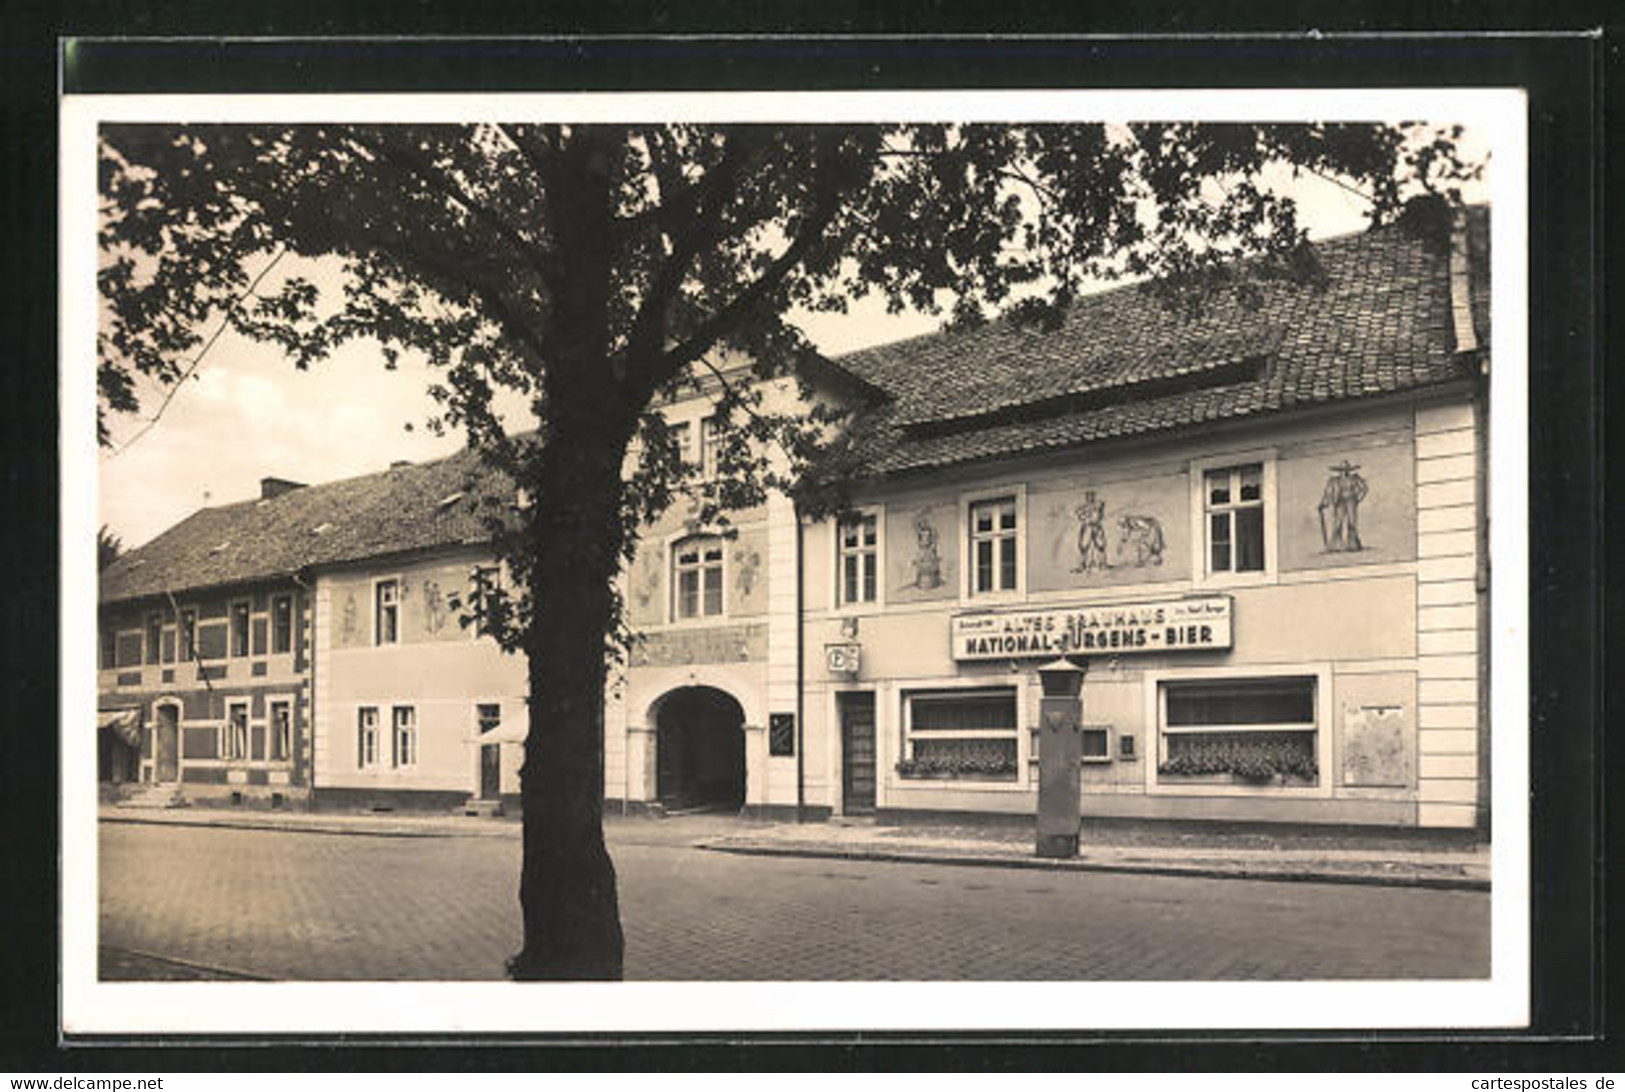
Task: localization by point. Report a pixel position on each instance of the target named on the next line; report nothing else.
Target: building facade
(1260, 527)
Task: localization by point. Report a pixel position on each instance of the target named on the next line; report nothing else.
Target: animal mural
(1141, 537)
(1344, 491)
(927, 563)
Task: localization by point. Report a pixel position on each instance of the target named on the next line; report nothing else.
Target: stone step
(487, 809)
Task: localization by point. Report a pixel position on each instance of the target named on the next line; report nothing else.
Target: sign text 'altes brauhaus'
(1170, 625)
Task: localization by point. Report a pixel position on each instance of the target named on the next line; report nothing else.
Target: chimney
(275, 487)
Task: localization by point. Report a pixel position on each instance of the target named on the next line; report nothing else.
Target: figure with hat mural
(1345, 489)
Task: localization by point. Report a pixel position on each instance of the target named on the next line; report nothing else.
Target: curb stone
(1236, 872)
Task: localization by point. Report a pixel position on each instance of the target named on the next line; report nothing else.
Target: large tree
(595, 268)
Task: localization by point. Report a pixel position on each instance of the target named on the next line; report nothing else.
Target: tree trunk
(567, 882)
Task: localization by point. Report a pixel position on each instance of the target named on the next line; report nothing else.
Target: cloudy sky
(248, 414)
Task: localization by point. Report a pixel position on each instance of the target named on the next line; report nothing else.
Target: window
(281, 731)
(960, 733)
(236, 742)
(282, 624)
(1233, 500)
(487, 579)
(188, 636)
(366, 737)
(681, 435)
(239, 629)
(490, 717)
(155, 635)
(1258, 730)
(709, 429)
(387, 612)
(109, 649)
(993, 546)
(698, 577)
(857, 541)
(404, 736)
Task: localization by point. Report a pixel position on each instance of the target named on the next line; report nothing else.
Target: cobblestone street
(318, 906)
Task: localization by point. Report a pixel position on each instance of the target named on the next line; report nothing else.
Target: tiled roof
(404, 508)
(1122, 363)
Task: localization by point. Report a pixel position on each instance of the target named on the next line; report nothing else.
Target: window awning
(506, 732)
(126, 722)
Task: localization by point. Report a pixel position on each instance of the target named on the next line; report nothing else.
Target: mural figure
(1344, 491)
(1141, 536)
(748, 562)
(1091, 534)
(434, 606)
(648, 579)
(348, 624)
(927, 564)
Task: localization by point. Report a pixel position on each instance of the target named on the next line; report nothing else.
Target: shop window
(187, 636)
(994, 542)
(960, 733)
(697, 577)
(403, 736)
(239, 628)
(1245, 731)
(386, 612)
(366, 737)
(155, 636)
(281, 731)
(858, 547)
(282, 624)
(1234, 508)
(235, 745)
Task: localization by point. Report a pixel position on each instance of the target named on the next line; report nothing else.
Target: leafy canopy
(596, 269)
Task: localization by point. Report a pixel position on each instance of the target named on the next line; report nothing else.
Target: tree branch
(191, 369)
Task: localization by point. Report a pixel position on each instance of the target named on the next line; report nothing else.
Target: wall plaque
(1173, 625)
(843, 659)
(781, 734)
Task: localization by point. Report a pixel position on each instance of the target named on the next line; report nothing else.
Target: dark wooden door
(857, 752)
(490, 771)
(167, 745)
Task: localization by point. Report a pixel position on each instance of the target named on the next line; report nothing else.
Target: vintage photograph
(728, 547)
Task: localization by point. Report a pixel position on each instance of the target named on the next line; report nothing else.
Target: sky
(249, 414)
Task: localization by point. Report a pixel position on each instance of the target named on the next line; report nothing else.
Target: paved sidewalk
(1409, 859)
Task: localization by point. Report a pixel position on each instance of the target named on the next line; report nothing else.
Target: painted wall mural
(1340, 508)
(434, 607)
(922, 560)
(644, 586)
(1128, 532)
(747, 572)
(1347, 501)
(348, 620)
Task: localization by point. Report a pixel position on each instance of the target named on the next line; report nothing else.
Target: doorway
(700, 751)
(857, 752)
(166, 744)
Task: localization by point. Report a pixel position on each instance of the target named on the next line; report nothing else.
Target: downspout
(801, 704)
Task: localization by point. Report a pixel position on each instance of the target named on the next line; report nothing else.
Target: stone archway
(699, 750)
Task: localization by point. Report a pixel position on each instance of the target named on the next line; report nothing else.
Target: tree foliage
(597, 269)
(108, 547)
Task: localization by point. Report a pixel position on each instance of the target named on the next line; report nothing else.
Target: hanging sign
(1173, 625)
(843, 659)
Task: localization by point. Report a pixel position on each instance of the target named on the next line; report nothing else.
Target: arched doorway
(700, 750)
